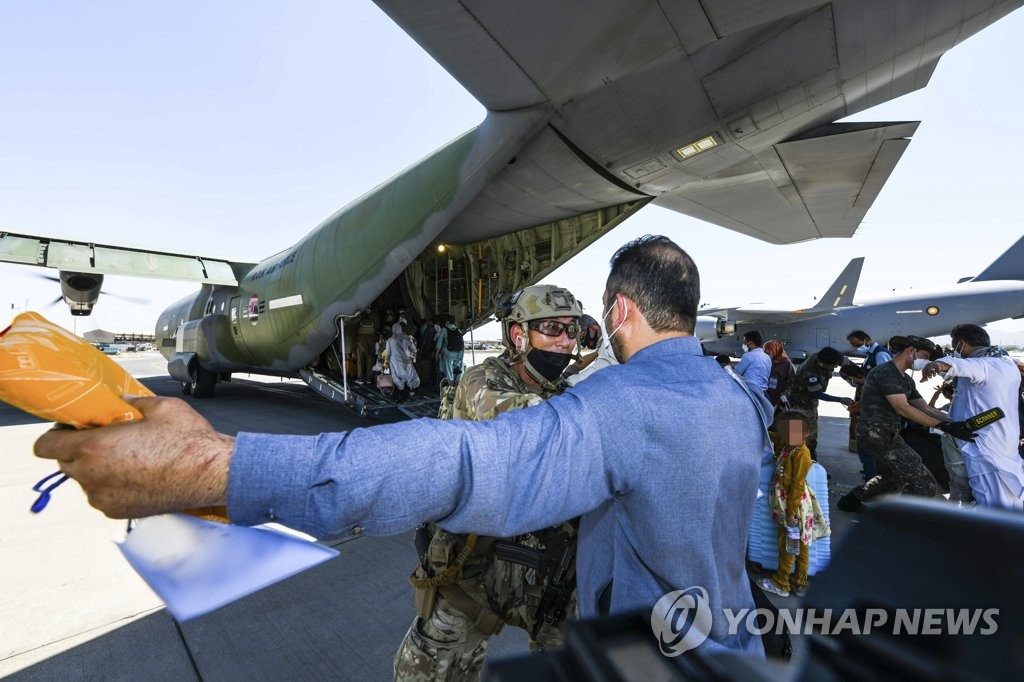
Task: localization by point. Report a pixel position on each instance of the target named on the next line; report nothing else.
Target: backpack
(454, 340)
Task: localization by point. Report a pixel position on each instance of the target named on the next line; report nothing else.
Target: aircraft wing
(724, 111)
(820, 184)
(752, 315)
(84, 257)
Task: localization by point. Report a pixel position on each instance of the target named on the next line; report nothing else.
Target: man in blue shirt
(659, 456)
(873, 354)
(755, 366)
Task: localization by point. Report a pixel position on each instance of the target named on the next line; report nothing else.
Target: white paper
(197, 566)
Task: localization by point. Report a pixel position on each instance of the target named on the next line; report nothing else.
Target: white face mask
(604, 321)
(743, 348)
(861, 350)
(919, 364)
(957, 351)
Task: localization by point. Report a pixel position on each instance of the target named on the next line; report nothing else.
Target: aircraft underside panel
(635, 84)
(548, 181)
(820, 184)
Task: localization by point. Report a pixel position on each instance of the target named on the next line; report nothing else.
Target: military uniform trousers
(900, 467)
(452, 643)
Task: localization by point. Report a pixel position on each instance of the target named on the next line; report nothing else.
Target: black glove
(958, 430)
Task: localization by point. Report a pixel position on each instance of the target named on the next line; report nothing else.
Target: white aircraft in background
(995, 294)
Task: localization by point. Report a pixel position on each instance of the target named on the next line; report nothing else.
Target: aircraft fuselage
(923, 314)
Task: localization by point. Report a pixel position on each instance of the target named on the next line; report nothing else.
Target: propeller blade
(130, 299)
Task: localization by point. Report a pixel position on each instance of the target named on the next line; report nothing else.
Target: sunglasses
(555, 328)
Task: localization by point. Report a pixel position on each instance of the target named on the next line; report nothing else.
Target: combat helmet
(535, 302)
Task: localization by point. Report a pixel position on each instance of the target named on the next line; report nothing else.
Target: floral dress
(788, 466)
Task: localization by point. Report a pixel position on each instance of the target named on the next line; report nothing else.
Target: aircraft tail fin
(842, 290)
(1010, 265)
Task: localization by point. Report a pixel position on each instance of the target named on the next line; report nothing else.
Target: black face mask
(548, 364)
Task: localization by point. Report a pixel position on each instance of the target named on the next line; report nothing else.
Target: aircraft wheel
(186, 387)
(204, 383)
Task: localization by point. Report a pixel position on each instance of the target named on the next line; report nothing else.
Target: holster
(425, 598)
(434, 561)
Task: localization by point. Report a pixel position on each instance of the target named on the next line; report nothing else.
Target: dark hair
(450, 319)
(754, 337)
(830, 356)
(853, 371)
(858, 334)
(971, 334)
(661, 279)
(898, 344)
(921, 343)
(723, 360)
(797, 415)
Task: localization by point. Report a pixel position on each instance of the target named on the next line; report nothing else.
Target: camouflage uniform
(809, 382)
(900, 467)
(487, 593)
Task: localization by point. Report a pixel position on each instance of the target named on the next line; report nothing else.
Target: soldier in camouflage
(810, 385)
(889, 398)
(464, 592)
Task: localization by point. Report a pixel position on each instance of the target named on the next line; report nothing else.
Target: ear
(517, 335)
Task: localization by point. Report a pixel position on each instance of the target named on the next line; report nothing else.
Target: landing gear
(200, 384)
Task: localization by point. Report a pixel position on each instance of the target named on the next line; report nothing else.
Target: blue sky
(233, 128)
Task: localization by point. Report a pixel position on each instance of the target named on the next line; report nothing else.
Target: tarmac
(71, 608)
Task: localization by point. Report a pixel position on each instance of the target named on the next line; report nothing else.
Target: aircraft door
(234, 307)
(822, 337)
(235, 315)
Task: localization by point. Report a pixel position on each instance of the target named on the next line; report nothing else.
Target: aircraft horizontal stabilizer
(1010, 265)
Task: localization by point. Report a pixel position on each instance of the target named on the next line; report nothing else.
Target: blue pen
(44, 492)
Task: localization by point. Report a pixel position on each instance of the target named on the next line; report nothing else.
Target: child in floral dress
(792, 503)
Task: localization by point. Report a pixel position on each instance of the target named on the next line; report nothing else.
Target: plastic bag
(49, 372)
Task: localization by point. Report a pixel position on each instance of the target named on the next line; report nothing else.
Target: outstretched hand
(958, 430)
(171, 460)
(932, 369)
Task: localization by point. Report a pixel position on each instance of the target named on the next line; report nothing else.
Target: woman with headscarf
(780, 380)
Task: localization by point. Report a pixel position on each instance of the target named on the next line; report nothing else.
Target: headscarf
(776, 351)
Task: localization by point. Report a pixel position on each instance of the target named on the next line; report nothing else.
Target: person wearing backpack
(450, 349)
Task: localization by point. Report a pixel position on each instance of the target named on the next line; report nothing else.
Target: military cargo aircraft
(723, 111)
(996, 293)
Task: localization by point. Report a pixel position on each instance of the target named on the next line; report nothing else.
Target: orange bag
(49, 372)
